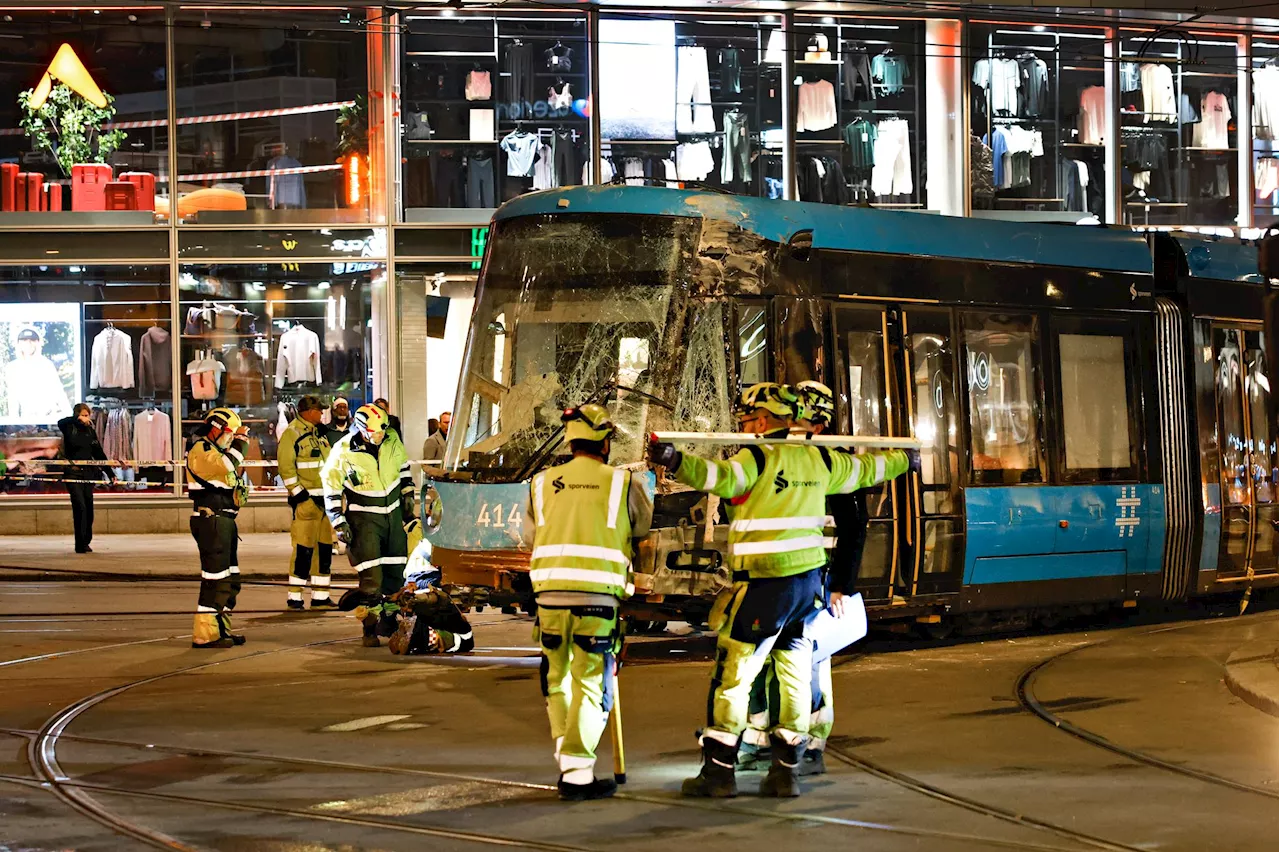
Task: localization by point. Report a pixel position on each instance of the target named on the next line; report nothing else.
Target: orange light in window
(355, 178)
(67, 68)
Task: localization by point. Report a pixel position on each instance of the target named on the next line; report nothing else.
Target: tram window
(934, 407)
(1097, 420)
(753, 345)
(802, 347)
(1004, 398)
(860, 338)
(1231, 415)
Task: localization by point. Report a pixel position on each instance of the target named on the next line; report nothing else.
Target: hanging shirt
(286, 190)
(111, 365)
(152, 439)
(155, 373)
(1266, 101)
(1001, 79)
(817, 106)
(1158, 100)
(1093, 115)
(521, 148)
(694, 161)
(479, 86)
(889, 73)
(1130, 78)
(860, 136)
(562, 99)
(1215, 114)
(544, 175)
(298, 357)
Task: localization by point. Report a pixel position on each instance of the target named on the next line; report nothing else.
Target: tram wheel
(938, 630)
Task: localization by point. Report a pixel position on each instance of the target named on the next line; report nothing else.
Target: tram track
(1025, 694)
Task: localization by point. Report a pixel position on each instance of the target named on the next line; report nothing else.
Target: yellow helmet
(371, 421)
(817, 402)
(224, 419)
(588, 422)
(778, 400)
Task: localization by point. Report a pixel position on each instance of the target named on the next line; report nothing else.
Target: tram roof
(1219, 258)
(861, 228)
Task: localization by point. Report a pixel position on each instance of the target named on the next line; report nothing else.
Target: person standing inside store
(80, 443)
(303, 449)
(339, 421)
(433, 447)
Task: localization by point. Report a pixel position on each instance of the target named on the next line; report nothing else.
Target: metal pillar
(593, 87)
(175, 321)
(788, 92)
(1244, 132)
(1111, 70)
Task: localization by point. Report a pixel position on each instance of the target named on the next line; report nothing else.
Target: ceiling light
(323, 285)
(1039, 28)
(828, 20)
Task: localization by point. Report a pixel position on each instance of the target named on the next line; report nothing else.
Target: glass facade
(333, 172)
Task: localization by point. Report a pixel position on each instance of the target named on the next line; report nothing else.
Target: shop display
(298, 357)
(816, 108)
(155, 372)
(1210, 129)
(111, 365)
(152, 436)
(1266, 100)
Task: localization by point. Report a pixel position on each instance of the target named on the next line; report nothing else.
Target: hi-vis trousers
(312, 538)
(761, 621)
(217, 539)
(578, 648)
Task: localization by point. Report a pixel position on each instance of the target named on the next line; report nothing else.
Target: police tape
(170, 463)
(855, 441)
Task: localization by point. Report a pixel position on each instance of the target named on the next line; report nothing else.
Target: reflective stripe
(537, 499)
(577, 770)
(786, 545)
(234, 569)
(196, 486)
(713, 476)
(291, 480)
(739, 476)
(615, 497)
(296, 581)
(457, 640)
(215, 575)
(383, 492)
(880, 468)
(851, 483)
(579, 575)
(307, 465)
(319, 595)
(374, 510)
(829, 542)
(367, 564)
(719, 736)
(762, 524)
(233, 457)
(205, 608)
(295, 596)
(319, 579)
(586, 551)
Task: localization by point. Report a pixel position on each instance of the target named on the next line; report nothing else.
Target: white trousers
(891, 174)
(693, 92)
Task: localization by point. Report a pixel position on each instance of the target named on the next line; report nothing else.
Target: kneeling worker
(368, 471)
(303, 448)
(776, 555)
(213, 482)
(584, 515)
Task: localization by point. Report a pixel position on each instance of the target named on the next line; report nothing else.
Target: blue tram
(1095, 404)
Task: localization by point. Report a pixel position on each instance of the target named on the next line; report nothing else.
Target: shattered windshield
(570, 307)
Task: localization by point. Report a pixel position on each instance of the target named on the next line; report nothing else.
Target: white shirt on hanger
(111, 364)
(152, 439)
(298, 357)
(521, 148)
(817, 106)
(1211, 131)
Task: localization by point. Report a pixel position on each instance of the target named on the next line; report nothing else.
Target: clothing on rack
(1188, 110)
(155, 372)
(562, 99)
(1215, 114)
(480, 181)
(822, 180)
(518, 89)
(1266, 101)
(981, 176)
(152, 436)
(206, 376)
(111, 364)
(860, 136)
(479, 86)
(287, 190)
(1130, 77)
(1033, 85)
(1073, 178)
(891, 172)
(730, 71)
(1146, 154)
(521, 148)
(1093, 115)
(736, 164)
(693, 91)
(1266, 176)
(559, 58)
(1208, 178)
(246, 378)
(1012, 148)
(856, 83)
(565, 158)
(1000, 78)
(544, 174)
(694, 161)
(115, 431)
(1158, 100)
(889, 73)
(298, 357)
(816, 106)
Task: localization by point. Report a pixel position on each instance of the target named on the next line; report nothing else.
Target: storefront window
(494, 107)
(273, 117)
(692, 101)
(83, 108)
(1178, 129)
(1266, 131)
(860, 111)
(93, 334)
(1039, 121)
(257, 337)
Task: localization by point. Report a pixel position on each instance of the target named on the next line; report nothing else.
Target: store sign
(291, 245)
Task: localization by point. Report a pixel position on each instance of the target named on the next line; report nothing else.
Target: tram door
(1247, 445)
(895, 375)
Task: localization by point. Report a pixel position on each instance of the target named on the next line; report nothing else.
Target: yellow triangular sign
(67, 68)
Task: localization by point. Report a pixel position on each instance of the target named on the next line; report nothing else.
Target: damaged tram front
(627, 310)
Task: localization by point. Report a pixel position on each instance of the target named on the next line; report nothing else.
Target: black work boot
(323, 603)
(216, 643)
(599, 788)
(814, 762)
(224, 628)
(295, 606)
(783, 780)
(716, 780)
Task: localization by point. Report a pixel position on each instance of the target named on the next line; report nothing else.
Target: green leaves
(70, 128)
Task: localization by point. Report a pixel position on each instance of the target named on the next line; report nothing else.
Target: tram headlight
(432, 510)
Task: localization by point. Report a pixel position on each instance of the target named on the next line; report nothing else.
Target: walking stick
(615, 731)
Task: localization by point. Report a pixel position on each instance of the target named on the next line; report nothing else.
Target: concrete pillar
(946, 146)
(789, 103)
(1244, 131)
(1111, 135)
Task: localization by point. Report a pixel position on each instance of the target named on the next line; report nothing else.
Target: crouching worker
(585, 515)
(430, 623)
(213, 481)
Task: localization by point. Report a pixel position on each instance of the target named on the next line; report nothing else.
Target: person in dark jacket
(80, 443)
(339, 421)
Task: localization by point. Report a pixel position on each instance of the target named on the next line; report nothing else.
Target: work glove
(913, 460)
(298, 497)
(342, 532)
(406, 509)
(664, 455)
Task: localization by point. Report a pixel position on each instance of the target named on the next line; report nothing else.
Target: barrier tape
(300, 170)
(209, 119)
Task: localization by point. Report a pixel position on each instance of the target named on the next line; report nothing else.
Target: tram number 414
(493, 516)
